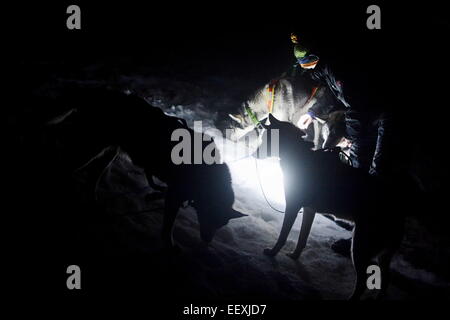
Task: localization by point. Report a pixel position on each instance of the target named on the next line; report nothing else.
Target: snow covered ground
(237, 248)
(233, 264)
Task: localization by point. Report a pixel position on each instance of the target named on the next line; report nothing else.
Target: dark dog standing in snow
(318, 182)
(100, 119)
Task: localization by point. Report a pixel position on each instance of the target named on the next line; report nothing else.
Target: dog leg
(307, 221)
(384, 261)
(172, 204)
(361, 260)
(288, 221)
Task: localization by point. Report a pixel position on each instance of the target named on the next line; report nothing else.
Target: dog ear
(273, 121)
(233, 214)
(264, 124)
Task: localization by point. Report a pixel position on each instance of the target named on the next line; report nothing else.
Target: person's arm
(317, 110)
(306, 119)
(330, 102)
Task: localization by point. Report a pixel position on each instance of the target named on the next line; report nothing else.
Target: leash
(262, 189)
(311, 96)
(343, 157)
(346, 156)
(270, 104)
(258, 126)
(271, 89)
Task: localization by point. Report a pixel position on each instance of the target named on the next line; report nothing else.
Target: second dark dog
(99, 118)
(318, 182)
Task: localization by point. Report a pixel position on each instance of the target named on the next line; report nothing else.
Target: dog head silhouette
(213, 199)
(280, 137)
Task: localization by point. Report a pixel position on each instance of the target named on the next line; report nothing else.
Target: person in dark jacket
(322, 79)
(369, 126)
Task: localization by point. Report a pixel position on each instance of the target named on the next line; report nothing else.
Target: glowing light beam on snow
(261, 176)
(271, 179)
(254, 176)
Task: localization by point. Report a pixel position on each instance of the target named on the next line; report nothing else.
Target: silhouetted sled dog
(318, 182)
(99, 119)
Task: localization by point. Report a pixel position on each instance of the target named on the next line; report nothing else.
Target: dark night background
(406, 62)
(247, 41)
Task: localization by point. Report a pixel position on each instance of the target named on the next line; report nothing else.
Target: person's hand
(304, 121)
(344, 143)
